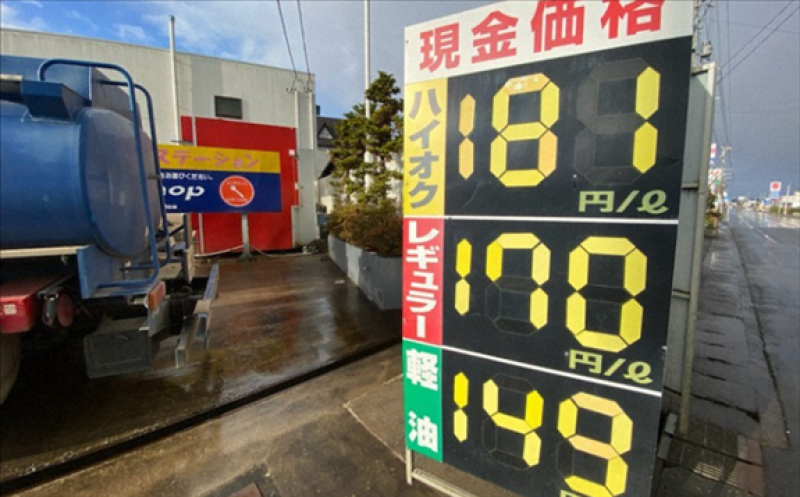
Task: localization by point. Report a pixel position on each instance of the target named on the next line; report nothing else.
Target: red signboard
(268, 231)
(423, 242)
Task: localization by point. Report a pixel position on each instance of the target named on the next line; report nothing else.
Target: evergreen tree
(347, 155)
(381, 135)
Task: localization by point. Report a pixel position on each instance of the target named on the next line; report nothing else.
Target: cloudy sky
(757, 44)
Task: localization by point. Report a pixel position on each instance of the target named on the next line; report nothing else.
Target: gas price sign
(543, 161)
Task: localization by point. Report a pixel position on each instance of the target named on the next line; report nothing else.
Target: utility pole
(723, 183)
(702, 49)
(786, 200)
(366, 54)
(173, 59)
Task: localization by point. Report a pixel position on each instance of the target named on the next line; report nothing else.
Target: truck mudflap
(198, 327)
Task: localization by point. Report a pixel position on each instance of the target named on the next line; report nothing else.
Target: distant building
(326, 131)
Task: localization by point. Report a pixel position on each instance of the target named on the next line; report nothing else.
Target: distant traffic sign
(775, 189)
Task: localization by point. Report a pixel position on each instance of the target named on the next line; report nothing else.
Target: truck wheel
(10, 351)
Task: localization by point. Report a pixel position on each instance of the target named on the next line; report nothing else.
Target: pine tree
(385, 134)
(381, 135)
(363, 214)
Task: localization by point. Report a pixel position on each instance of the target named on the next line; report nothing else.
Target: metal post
(409, 466)
(312, 119)
(246, 255)
(697, 261)
(296, 207)
(366, 55)
(367, 154)
(786, 200)
(175, 108)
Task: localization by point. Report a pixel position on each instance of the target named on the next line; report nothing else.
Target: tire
(10, 352)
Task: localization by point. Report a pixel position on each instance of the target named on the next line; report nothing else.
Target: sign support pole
(430, 480)
(696, 255)
(246, 255)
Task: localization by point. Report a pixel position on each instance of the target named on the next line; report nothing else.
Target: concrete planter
(380, 278)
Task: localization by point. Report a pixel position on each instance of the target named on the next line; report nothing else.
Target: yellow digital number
(540, 269)
(615, 481)
(466, 124)
(461, 398)
(645, 135)
(536, 130)
(525, 426)
(463, 268)
(645, 139)
(634, 282)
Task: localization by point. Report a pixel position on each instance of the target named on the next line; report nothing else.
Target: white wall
(265, 93)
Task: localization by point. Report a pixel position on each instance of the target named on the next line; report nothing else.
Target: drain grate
(716, 466)
(722, 441)
(255, 483)
(251, 490)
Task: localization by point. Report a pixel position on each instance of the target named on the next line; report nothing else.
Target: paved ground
(341, 434)
(275, 320)
(744, 439)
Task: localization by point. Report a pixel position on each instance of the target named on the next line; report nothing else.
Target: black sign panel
(605, 125)
(539, 288)
(580, 297)
(539, 434)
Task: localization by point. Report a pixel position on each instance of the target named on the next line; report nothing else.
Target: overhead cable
(751, 52)
(724, 102)
(763, 28)
(288, 45)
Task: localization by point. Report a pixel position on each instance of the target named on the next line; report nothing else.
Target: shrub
(374, 227)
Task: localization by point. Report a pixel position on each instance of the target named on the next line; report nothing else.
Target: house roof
(326, 131)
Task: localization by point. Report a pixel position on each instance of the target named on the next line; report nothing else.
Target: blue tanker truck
(85, 243)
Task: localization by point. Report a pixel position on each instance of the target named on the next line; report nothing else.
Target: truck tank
(69, 172)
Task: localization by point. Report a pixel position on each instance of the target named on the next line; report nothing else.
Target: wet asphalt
(769, 247)
(274, 320)
(743, 438)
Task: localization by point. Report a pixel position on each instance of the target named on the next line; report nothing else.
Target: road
(769, 247)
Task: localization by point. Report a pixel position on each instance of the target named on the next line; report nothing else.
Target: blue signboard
(205, 179)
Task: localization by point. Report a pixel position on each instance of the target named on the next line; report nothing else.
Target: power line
(729, 90)
(751, 52)
(724, 102)
(763, 28)
(288, 45)
(305, 49)
(789, 31)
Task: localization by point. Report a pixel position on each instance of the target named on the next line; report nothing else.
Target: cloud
(253, 32)
(35, 3)
(74, 14)
(10, 18)
(129, 32)
(244, 30)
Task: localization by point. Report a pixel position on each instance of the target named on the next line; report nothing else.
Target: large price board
(543, 161)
